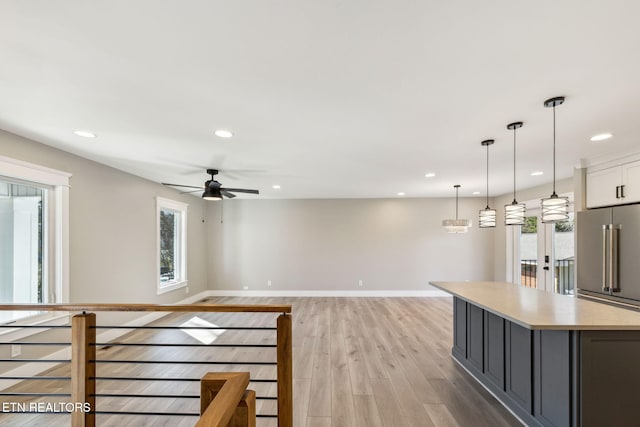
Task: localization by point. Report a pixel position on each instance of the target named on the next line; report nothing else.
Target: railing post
(83, 368)
(285, 372)
(245, 414)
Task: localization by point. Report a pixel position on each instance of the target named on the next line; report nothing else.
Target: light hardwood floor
(362, 362)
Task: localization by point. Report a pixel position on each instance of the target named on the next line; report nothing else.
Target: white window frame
(57, 183)
(180, 282)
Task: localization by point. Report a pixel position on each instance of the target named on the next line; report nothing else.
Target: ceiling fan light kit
(514, 213)
(456, 225)
(213, 190)
(487, 215)
(554, 207)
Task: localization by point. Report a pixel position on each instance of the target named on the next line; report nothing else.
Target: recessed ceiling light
(537, 173)
(475, 193)
(601, 137)
(85, 134)
(429, 174)
(401, 194)
(275, 187)
(223, 133)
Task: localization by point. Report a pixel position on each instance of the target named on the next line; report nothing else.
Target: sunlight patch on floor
(205, 336)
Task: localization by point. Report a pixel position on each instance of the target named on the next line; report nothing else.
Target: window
(33, 237)
(172, 245)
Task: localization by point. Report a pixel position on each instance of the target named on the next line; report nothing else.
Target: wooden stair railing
(225, 401)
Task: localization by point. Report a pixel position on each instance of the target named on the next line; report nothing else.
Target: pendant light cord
(487, 176)
(554, 149)
(456, 203)
(514, 166)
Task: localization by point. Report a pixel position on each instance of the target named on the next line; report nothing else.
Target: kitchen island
(553, 360)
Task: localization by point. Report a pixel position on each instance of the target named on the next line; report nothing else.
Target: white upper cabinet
(631, 182)
(614, 186)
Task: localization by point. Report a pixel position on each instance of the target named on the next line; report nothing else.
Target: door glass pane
(529, 252)
(563, 245)
(22, 246)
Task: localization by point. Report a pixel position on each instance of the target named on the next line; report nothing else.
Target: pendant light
(456, 225)
(487, 215)
(515, 212)
(554, 208)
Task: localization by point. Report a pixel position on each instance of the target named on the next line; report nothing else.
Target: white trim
(13, 168)
(329, 293)
(172, 286)
(609, 160)
(33, 369)
(59, 181)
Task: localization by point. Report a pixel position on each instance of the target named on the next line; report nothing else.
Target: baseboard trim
(292, 293)
(33, 369)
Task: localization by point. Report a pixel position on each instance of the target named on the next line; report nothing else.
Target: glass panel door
(564, 255)
(529, 252)
(545, 253)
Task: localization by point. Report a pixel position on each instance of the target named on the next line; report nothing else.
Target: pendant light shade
(456, 225)
(515, 212)
(487, 215)
(554, 207)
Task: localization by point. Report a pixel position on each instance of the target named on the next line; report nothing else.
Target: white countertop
(536, 309)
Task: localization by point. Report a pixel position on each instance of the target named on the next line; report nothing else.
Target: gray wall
(113, 228)
(500, 255)
(390, 244)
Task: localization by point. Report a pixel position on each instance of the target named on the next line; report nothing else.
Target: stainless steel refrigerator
(608, 253)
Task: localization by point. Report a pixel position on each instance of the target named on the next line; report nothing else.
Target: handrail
(221, 393)
(183, 308)
(84, 360)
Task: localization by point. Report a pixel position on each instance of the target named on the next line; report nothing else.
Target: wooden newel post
(285, 372)
(83, 369)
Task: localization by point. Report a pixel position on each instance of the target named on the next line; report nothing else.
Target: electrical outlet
(16, 350)
(246, 288)
(186, 290)
(360, 283)
(269, 283)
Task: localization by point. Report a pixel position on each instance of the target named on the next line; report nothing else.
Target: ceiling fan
(213, 190)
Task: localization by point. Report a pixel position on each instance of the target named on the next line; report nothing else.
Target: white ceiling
(333, 98)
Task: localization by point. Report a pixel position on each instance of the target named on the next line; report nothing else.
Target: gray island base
(553, 360)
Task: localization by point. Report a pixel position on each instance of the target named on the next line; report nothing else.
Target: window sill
(43, 320)
(172, 287)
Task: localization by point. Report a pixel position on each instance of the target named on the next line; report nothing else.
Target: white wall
(113, 228)
(390, 244)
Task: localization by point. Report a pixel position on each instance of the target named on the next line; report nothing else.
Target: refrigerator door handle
(605, 287)
(613, 263)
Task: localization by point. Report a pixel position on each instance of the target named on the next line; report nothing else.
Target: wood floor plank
(366, 411)
(318, 422)
(357, 362)
(440, 415)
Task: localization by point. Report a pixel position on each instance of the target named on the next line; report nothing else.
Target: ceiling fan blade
(227, 194)
(180, 185)
(193, 191)
(240, 190)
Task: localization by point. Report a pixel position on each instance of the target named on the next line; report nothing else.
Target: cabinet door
(552, 377)
(475, 337)
(601, 187)
(518, 357)
(459, 328)
(631, 181)
(494, 348)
